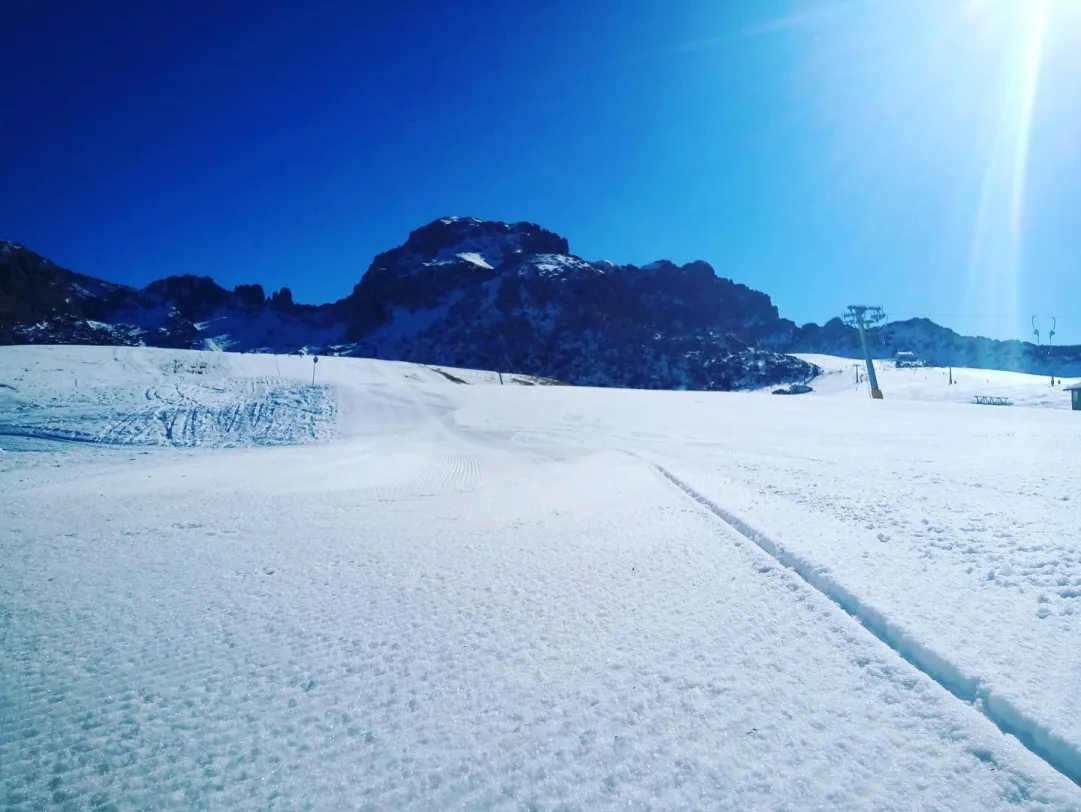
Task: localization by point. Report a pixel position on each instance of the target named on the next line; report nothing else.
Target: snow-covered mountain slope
(157, 397)
(491, 295)
(847, 377)
(137, 396)
(41, 303)
(468, 595)
(931, 343)
(459, 291)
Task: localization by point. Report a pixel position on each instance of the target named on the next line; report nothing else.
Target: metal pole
(858, 316)
(506, 357)
(876, 393)
(1050, 351)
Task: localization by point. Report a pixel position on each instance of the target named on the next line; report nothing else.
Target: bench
(992, 400)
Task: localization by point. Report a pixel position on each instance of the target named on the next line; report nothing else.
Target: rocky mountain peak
(481, 242)
(473, 293)
(185, 285)
(193, 296)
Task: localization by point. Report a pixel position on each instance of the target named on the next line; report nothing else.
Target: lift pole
(863, 318)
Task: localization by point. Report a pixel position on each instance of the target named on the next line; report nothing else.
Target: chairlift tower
(1050, 339)
(863, 318)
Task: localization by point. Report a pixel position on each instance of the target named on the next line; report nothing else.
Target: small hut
(1075, 394)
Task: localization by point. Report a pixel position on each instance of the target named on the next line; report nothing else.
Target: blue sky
(920, 155)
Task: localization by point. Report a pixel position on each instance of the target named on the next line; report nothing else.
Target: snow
(465, 595)
(931, 384)
(475, 259)
(485, 250)
(404, 324)
(135, 396)
(557, 265)
(239, 330)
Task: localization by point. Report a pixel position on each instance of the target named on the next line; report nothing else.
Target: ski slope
(932, 384)
(411, 588)
(182, 398)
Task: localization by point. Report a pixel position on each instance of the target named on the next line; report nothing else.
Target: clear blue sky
(923, 155)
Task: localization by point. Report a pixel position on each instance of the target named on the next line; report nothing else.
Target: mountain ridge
(473, 293)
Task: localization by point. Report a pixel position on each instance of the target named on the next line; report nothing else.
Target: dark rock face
(508, 296)
(34, 291)
(194, 297)
(282, 300)
(41, 303)
(438, 238)
(439, 259)
(497, 296)
(250, 296)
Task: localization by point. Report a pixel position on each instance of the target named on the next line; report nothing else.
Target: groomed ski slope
(393, 590)
(932, 384)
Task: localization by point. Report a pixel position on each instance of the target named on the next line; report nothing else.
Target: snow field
(125, 396)
(595, 642)
(132, 396)
(484, 597)
(931, 384)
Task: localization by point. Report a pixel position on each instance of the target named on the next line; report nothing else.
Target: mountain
(932, 343)
(41, 303)
(473, 293)
(469, 293)
(459, 292)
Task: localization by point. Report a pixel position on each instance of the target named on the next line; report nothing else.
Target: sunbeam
(996, 260)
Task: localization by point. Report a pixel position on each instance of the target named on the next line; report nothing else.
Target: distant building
(1075, 394)
(904, 359)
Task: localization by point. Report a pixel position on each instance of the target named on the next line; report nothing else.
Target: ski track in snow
(432, 595)
(1052, 748)
(188, 404)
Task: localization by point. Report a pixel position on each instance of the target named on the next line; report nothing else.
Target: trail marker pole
(1050, 339)
(864, 317)
(506, 357)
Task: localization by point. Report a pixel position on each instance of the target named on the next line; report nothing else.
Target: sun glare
(996, 264)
